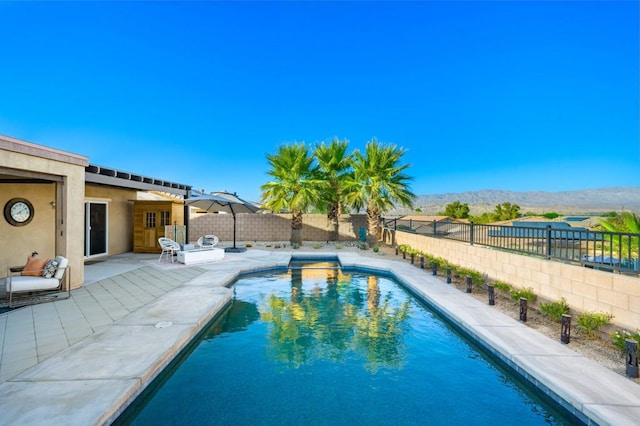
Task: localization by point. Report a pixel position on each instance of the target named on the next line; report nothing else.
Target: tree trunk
(333, 225)
(296, 227)
(373, 224)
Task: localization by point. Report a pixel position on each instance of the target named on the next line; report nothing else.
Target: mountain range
(582, 201)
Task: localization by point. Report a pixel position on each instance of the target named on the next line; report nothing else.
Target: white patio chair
(208, 241)
(169, 247)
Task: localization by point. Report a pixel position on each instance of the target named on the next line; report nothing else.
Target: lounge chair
(208, 241)
(43, 285)
(169, 247)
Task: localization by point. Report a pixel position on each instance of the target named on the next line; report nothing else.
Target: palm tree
(294, 186)
(335, 165)
(379, 182)
(627, 223)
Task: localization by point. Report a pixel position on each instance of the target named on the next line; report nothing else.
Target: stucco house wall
(61, 180)
(38, 235)
(120, 215)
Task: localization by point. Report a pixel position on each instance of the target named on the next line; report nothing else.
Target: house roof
(425, 218)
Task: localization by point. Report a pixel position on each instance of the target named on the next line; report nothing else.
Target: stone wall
(585, 289)
(271, 227)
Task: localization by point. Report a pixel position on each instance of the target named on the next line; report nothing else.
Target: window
(150, 220)
(165, 218)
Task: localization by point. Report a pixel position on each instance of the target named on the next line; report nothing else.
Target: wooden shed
(150, 219)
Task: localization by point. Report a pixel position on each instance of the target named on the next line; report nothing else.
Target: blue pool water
(325, 346)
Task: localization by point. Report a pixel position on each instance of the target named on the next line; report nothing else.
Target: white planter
(190, 257)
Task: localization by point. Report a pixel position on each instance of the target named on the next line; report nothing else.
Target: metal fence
(608, 251)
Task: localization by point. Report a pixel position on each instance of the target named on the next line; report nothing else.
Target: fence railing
(609, 251)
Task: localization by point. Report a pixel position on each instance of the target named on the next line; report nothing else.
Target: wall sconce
(53, 204)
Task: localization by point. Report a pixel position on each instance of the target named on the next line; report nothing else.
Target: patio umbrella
(223, 202)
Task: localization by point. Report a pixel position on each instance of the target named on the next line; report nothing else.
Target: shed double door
(154, 223)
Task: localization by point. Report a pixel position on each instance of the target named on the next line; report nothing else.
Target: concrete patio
(81, 361)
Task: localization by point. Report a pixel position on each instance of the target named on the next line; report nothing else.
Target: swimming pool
(321, 345)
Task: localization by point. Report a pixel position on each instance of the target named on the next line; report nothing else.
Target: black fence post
(421, 261)
(471, 233)
(523, 309)
(548, 245)
(469, 284)
(413, 257)
(434, 227)
(492, 295)
(395, 224)
(565, 329)
(434, 268)
(631, 348)
(448, 275)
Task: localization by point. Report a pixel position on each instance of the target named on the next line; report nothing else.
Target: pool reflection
(333, 322)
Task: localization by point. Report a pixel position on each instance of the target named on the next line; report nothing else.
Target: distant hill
(565, 202)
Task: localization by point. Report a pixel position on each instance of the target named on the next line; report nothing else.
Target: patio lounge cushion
(62, 266)
(34, 266)
(27, 283)
(50, 268)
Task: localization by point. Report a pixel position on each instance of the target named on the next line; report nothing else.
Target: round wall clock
(18, 211)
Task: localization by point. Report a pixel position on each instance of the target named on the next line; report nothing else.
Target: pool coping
(88, 383)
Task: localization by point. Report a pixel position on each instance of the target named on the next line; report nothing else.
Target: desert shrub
(618, 338)
(555, 310)
(376, 249)
(527, 293)
(338, 246)
(502, 286)
(476, 277)
(317, 245)
(589, 323)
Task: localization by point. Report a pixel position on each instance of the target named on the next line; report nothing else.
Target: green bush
(502, 286)
(376, 249)
(403, 248)
(618, 338)
(555, 310)
(590, 322)
(550, 215)
(527, 293)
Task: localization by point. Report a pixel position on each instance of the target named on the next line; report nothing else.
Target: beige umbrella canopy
(223, 202)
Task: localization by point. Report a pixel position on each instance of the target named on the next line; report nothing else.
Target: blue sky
(518, 95)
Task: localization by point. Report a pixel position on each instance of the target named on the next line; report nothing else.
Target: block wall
(271, 227)
(585, 289)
